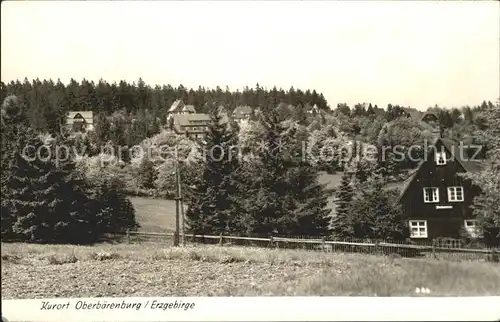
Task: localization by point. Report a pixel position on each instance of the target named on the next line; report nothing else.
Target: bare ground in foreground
(45, 271)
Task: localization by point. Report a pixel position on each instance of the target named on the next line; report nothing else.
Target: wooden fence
(433, 249)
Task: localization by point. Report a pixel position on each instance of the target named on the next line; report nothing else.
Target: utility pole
(182, 212)
(177, 198)
(181, 202)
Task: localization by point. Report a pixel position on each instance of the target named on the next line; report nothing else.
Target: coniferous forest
(47, 101)
(269, 189)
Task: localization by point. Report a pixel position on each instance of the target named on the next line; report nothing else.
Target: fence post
(494, 256)
(434, 249)
(271, 241)
(128, 236)
(221, 240)
(377, 247)
(323, 244)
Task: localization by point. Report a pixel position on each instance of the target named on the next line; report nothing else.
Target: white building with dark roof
(80, 121)
(178, 107)
(242, 113)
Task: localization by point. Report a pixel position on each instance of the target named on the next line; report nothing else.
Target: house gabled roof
(189, 120)
(176, 106)
(405, 184)
(413, 113)
(240, 111)
(454, 149)
(186, 119)
(463, 160)
(88, 116)
(429, 114)
(188, 109)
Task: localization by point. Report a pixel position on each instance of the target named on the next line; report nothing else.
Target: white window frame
(441, 158)
(472, 229)
(419, 224)
(452, 192)
(435, 193)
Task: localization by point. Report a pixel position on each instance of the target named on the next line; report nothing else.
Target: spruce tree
(46, 196)
(375, 214)
(210, 204)
(147, 173)
(361, 172)
(370, 111)
(486, 205)
(311, 215)
(284, 194)
(102, 129)
(109, 209)
(300, 115)
(309, 210)
(23, 189)
(388, 221)
(14, 125)
(18, 174)
(269, 202)
(69, 197)
(341, 224)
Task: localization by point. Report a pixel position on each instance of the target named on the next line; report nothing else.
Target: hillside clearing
(42, 271)
(158, 215)
(154, 215)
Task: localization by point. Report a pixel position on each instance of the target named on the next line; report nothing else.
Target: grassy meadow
(154, 269)
(158, 215)
(42, 271)
(154, 215)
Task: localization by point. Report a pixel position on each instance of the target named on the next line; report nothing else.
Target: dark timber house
(435, 198)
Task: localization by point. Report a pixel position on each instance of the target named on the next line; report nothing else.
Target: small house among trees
(242, 113)
(430, 117)
(80, 121)
(194, 125)
(184, 120)
(178, 107)
(436, 199)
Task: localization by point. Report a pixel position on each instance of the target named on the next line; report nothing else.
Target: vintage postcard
(250, 160)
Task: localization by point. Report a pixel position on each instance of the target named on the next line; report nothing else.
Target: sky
(410, 53)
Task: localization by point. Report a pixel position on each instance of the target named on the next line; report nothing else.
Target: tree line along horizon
(79, 201)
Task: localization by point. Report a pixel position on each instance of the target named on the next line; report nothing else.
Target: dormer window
(440, 158)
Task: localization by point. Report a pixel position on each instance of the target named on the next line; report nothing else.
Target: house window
(440, 158)
(431, 194)
(472, 228)
(455, 194)
(418, 229)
